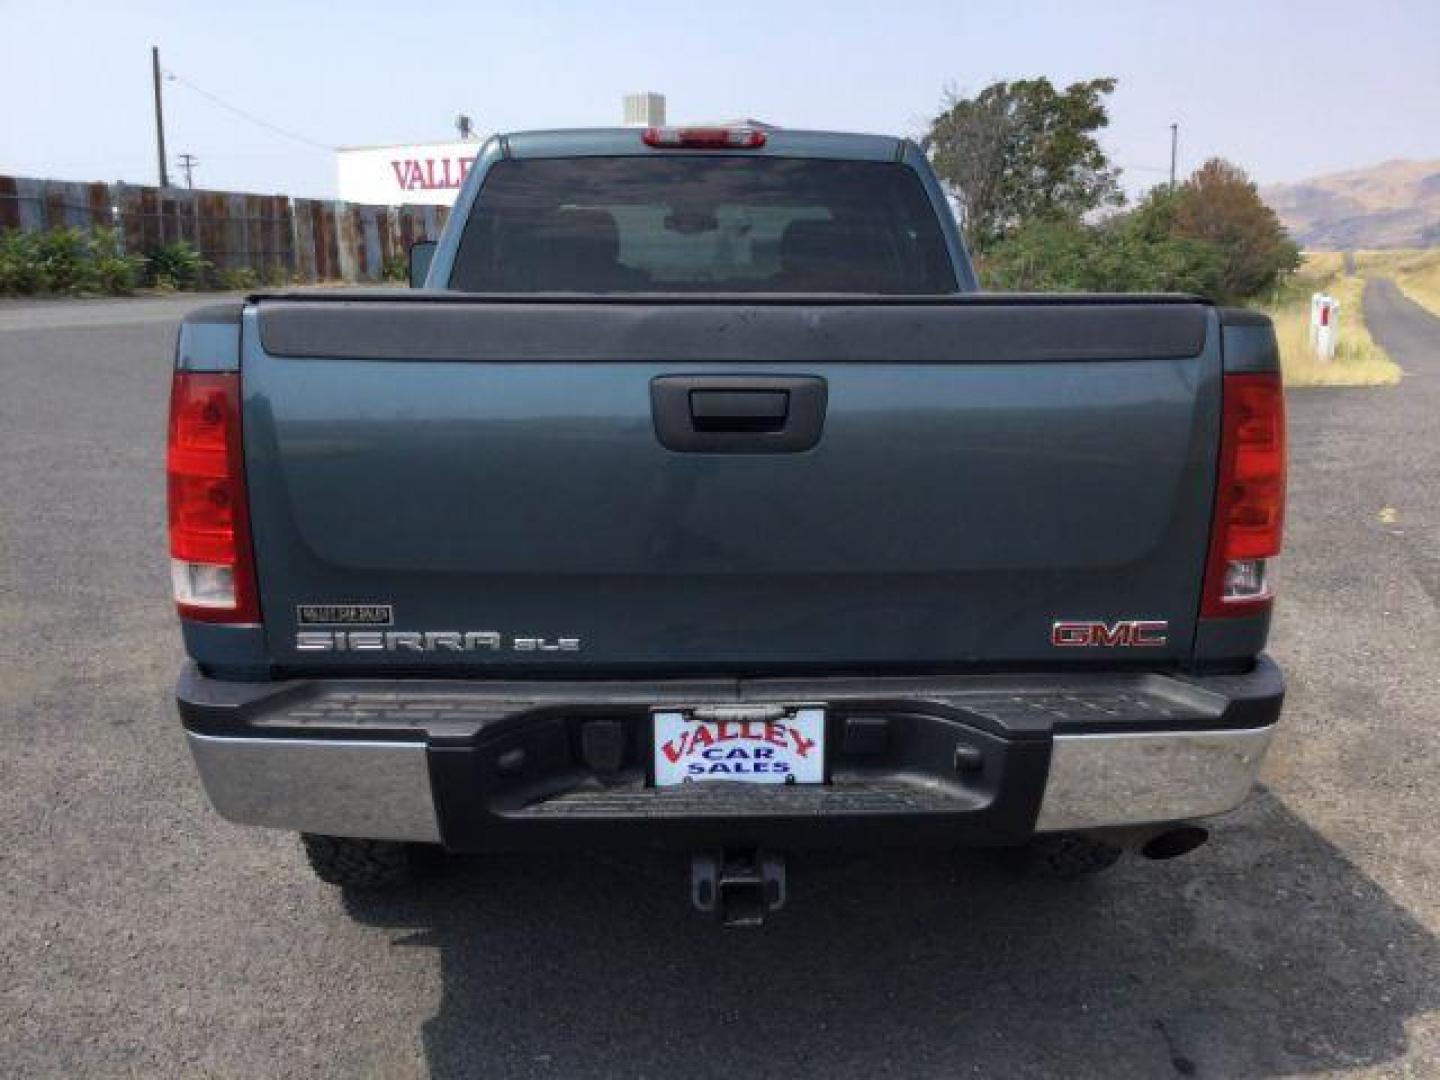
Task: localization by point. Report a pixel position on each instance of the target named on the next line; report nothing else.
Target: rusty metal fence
(274, 236)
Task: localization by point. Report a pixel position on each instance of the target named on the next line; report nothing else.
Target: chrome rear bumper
(1140, 778)
(375, 790)
(492, 765)
(382, 790)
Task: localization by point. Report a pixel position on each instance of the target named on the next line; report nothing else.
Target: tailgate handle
(739, 410)
(738, 414)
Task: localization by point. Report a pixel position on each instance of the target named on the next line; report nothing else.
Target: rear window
(693, 223)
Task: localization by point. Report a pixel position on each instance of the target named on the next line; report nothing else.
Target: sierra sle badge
(429, 641)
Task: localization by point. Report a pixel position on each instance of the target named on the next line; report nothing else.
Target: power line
(247, 116)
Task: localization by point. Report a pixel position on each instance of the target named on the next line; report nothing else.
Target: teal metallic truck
(697, 498)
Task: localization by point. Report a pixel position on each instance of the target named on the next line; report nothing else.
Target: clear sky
(1285, 89)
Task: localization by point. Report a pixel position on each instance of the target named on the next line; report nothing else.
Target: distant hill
(1392, 205)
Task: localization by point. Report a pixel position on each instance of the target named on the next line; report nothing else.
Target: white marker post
(1324, 326)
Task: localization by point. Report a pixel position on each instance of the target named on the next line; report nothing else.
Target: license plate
(747, 746)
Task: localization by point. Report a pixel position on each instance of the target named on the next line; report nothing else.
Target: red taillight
(210, 564)
(1249, 496)
(704, 138)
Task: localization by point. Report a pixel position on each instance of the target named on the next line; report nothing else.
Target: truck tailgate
(479, 484)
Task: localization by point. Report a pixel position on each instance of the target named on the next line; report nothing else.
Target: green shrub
(67, 261)
(276, 276)
(239, 279)
(396, 268)
(21, 271)
(65, 255)
(176, 265)
(1119, 255)
(1213, 236)
(111, 269)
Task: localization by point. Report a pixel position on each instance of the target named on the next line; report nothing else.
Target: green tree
(1219, 206)
(1023, 151)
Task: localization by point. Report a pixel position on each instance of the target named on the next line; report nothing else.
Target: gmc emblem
(1127, 633)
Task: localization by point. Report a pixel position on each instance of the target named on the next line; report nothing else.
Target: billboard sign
(408, 173)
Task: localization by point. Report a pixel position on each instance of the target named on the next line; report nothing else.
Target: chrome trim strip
(1135, 778)
(375, 790)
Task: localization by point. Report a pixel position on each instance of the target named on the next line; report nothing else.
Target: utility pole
(159, 117)
(1174, 141)
(188, 163)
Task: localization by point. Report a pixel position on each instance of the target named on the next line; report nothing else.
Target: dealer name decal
(737, 747)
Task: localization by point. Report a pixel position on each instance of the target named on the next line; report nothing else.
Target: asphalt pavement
(141, 934)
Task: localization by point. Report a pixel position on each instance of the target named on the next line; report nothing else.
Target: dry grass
(1319, 267)
(1358, 360)
(1416, 272)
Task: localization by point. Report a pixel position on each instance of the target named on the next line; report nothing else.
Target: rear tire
(357, 864)
(1068, 856)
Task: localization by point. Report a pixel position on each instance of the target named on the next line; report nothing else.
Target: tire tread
(352, 863)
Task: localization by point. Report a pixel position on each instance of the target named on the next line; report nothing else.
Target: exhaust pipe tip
(1172, 843)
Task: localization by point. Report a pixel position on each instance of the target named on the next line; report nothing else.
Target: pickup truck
(696, 498)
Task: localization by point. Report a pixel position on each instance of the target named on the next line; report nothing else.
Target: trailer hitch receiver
(739, 886)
